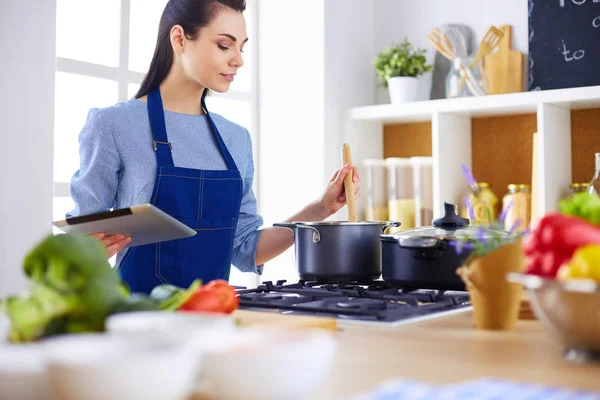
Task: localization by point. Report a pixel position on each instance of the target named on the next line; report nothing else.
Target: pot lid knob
(451, 219)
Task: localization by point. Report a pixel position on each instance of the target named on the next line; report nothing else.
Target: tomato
(226, 294)
(216, 283)
(203, 300)
(215, 296)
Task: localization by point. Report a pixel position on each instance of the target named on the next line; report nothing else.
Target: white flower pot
(403, 89)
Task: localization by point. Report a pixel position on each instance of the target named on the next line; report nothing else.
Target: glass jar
(423, 190)
(401, 202)
(376, 190)
(483, 203)
(458, 87)
(517, 207)
(578, 187)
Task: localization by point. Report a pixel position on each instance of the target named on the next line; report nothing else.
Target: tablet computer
(144, 223)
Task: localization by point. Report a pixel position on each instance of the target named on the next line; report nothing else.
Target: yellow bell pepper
(585, 263)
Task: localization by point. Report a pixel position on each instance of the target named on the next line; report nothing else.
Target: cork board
(407, 140)
(502, 146)
(502, 150)
(585, 141)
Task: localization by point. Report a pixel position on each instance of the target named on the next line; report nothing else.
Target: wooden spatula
(504, 69)
(349, 183)
(489, 42)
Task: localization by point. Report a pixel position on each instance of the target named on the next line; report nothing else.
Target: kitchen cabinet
(493, 135)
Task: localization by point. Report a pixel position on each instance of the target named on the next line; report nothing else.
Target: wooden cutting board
(504, 68)
(247, 318)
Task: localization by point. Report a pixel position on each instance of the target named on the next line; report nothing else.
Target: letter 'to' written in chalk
(577, 54)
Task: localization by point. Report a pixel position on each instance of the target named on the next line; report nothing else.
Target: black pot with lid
(423, 258)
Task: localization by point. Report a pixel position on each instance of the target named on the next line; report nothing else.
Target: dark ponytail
(191, 15)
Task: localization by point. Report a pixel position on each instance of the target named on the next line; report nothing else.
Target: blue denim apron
(206, 201)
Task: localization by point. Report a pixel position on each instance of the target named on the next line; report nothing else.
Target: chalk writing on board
(577, 54)
(563, 43)
(577, 2)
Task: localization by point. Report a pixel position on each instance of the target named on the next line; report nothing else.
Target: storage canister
(376, 189)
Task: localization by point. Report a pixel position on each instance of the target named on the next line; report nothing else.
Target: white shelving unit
(451, 135)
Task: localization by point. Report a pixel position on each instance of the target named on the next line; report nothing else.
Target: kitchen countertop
(446, 350)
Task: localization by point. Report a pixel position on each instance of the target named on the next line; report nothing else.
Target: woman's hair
(191, 15)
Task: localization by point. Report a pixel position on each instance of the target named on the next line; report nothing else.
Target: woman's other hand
(113, 243)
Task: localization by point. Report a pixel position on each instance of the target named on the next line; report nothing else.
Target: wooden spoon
(349, 183)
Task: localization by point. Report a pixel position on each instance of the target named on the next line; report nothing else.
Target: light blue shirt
(118, 165)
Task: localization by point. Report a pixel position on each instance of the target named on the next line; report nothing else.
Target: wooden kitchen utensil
(504, 68)
(436, 38)
(349, 183)
(490, 40)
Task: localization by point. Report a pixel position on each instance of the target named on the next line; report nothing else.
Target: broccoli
(72, 288)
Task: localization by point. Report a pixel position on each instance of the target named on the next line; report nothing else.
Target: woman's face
(215, 56)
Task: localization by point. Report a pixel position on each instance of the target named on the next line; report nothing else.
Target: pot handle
(316, 235)
(293, 226)
(288, 225)
(390, 224)
(418, 243)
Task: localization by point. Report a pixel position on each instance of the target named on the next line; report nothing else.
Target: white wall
(314, 63)
(27, 42)
(349, 74)
(415, 18)
(291, 115)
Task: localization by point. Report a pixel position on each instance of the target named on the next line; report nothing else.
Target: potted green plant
(400, 67)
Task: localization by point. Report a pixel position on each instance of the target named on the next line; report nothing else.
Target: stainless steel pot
(338, 251)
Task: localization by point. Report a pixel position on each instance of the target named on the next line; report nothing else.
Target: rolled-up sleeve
(248, 232)
(94, 186)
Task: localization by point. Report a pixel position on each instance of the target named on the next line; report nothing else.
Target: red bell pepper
(553, 241)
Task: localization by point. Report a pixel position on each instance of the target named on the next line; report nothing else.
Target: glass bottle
(519, 200)
(594, 187)
(483, 202)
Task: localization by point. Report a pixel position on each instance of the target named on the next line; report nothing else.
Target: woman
(164, 147)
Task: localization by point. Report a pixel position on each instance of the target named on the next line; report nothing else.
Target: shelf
(492, 135)
(484, 106)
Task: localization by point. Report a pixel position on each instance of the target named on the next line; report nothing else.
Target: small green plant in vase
(399, 67)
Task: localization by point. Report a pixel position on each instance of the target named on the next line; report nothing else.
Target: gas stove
(373, 303)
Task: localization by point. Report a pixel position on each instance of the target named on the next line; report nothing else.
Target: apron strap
(160, 141)
(224, 151)
(162, 146)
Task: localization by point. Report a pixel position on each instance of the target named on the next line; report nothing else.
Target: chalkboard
(564, 43)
